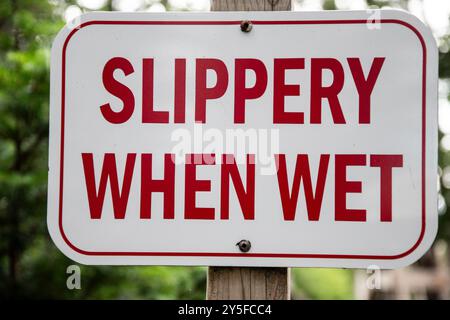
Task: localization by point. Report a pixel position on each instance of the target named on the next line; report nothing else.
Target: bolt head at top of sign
(174, 137)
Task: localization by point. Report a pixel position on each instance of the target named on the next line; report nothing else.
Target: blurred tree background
(30, 265)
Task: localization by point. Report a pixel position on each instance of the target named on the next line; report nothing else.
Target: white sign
(175, 136)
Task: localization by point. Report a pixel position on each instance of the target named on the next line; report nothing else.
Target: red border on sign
(233, 254)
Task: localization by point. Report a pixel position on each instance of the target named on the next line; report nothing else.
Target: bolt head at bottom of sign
(244, 245)
(246, 26)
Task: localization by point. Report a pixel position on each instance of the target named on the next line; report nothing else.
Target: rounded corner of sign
(402, 15)
(70, 28)
(60, 241)
(71, 253)
(416, 253)
(416, 25)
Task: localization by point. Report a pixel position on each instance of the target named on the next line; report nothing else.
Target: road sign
(244, 139)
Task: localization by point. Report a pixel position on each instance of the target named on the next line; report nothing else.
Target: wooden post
(234, 283)
(227, 283)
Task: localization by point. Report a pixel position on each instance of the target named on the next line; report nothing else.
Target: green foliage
(30, 264)
(25, 32)
(329, 5)
(322, 284)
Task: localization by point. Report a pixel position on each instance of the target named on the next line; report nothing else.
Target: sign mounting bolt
(244, 245)
(246, 26)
